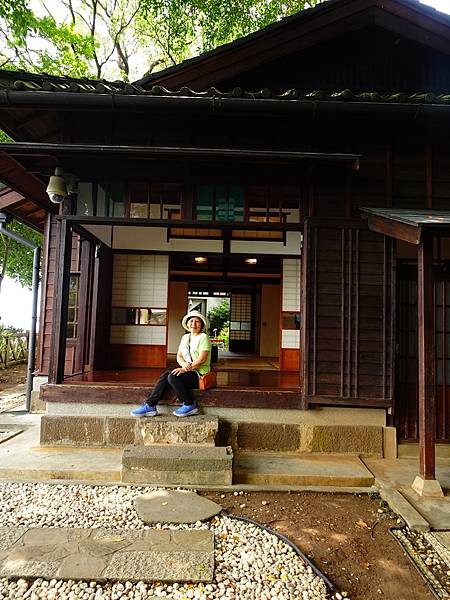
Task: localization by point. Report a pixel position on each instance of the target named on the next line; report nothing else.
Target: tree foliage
(16, 260)
(125, 39)
(183, 28)
(218, 315)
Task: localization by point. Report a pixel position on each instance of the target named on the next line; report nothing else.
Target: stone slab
(180, 465)
(290, 469)
(400, 473)
(173, 506)
(168, 429)
(107, 555)
(401, 506)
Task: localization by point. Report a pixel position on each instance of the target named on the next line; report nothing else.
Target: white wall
(178, 295)
(139, 281)
(290, 338)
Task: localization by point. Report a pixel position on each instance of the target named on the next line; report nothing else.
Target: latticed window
(220, 202)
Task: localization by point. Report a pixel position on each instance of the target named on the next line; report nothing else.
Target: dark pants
(181, 384)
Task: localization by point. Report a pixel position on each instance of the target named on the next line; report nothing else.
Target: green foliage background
(19, 263)
(218, 315)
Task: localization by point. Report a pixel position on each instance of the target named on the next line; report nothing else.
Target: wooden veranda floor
(227, 377)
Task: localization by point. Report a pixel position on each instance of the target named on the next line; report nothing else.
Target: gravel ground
(431, 558)
(251, 563)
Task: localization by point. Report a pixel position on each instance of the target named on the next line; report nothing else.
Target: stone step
(177, 465)
(199, 430)
(89, 430)
(301, 469)
(107, 555)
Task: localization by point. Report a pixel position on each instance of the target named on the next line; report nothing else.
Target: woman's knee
(172, 379)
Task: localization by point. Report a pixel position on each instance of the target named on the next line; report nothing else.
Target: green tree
(218, 315)
(183, 28)
(16, 260)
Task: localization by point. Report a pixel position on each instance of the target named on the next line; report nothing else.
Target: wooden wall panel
(137, 355)
(289, 360)
(48, 290)
(348, 314)
(407, 406)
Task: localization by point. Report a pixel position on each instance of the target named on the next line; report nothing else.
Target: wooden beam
(395, 229)
(426, 358)
(61, 291)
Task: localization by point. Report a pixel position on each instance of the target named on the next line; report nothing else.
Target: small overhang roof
(408, 224)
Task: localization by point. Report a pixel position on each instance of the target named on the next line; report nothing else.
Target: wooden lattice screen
(348, 314)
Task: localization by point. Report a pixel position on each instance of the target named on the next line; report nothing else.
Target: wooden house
(266, 149)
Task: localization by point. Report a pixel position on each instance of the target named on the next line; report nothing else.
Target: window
(138, 316)
(155, 200)
(220, 202)
(72, 311)
(101, 199)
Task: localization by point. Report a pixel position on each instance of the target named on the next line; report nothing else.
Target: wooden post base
(427, 487)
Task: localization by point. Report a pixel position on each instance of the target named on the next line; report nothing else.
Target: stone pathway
(107, 555)
(250, 563)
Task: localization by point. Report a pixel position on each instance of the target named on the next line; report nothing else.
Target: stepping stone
(177, 465)
(172, 506)
(107, 555)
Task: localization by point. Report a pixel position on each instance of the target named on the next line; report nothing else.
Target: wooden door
(348, 314)
(269, 340)
(242, 337)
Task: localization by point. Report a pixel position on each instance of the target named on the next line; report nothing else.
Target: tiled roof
(38, 83)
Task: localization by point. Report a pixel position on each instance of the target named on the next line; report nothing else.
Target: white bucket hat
(197, 314)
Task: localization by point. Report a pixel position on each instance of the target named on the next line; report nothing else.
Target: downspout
(34, 288)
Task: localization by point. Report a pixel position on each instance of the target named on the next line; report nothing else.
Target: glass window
(72, 311)
(205, 202)
(138, 316)
(104, 199)
(220, 202)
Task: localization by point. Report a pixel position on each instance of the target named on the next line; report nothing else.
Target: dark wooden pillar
(60, 303)
(426, 358)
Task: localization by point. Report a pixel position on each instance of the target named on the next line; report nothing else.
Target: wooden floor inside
(227, 378)
(234, 371)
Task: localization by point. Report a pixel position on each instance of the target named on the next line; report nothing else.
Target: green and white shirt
(198, 344)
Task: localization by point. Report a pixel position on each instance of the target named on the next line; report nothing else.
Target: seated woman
(194, 358)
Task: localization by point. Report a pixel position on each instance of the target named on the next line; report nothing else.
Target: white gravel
(251, 563)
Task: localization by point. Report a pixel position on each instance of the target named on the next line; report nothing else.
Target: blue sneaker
(186, 410)
(145, 410)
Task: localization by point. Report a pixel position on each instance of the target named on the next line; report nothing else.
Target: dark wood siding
(347, 314)
(407, 405)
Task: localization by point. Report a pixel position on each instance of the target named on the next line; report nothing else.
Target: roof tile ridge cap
(345, 94)
(21, 85)
(290, 94)
(422, 97)
(160, 90)
(443, 98)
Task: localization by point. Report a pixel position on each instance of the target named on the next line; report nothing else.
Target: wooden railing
(13, 348)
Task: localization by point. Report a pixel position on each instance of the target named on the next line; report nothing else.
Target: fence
(13, 348)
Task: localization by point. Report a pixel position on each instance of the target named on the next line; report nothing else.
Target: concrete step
(177, 465)
(301, 469)
(104, 430)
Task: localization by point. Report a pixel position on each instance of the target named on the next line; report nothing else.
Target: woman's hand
(180, 370)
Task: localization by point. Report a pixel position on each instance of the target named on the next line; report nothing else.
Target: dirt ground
(345, 535)
(12, 376)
